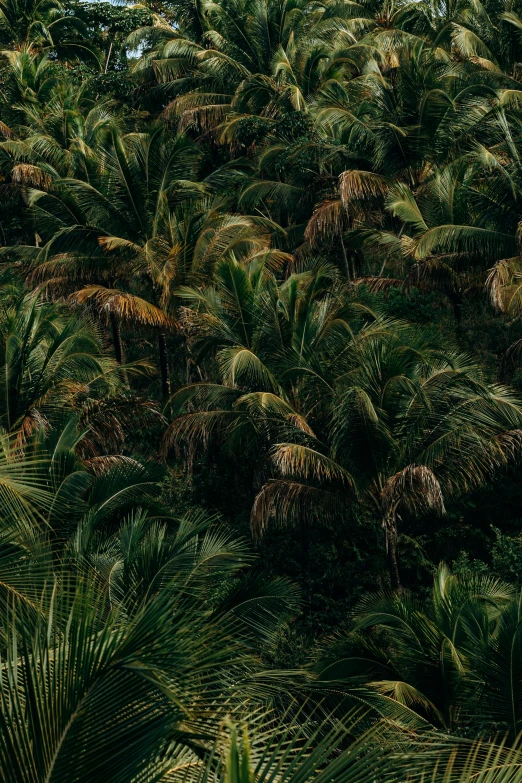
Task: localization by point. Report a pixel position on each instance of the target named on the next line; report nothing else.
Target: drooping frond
(354, 185)
(27, 174)
(326, 220)
(379, 284)
(124, 305)
(303, 462)
(294, 503)
(416, 487)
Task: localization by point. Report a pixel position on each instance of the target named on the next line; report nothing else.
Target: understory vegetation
(261, 391)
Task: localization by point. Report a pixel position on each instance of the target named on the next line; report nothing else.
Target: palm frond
(124, 305)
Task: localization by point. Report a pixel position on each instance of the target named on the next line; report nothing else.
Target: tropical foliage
(260, 391)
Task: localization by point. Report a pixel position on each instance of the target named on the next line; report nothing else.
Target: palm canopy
(412, 425)
(100, 587)
(45, 24)
(93, 671)
(53, 128)
(142, 216)
(279, 752)
(271, 341)
(445, 657)
(269, 172)
(335, 397)
(49, 361)
(265, 58)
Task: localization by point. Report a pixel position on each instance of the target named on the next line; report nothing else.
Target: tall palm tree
(336, 399)
(144, 215)
(412, 424)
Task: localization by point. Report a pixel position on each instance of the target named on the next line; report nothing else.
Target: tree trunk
(305, 558)
(390, 530)
(108, 58)
(456, 301)
(118, 347)
(393, 566)
(164, 365)
(116, 339)
(305, 546)
(345, 259)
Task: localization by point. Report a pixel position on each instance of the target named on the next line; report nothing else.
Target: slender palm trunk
(116, 339)
(118, 347)
(345, 259)
(164, 364)
(305, 558)
(456, 300)
(393, 565)
(390, 530)
(108, 58)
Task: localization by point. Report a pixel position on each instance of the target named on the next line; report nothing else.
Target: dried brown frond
(305, 462)
(32, 421)
(510, 443)
(484, 63)
(498, 278)
(357, 185)
(197, 110)
(111, 243)
(25, 174)
(6, 131)
(124, 306)
(416, 488)
(326, 220)
(300, 422)
(293, 503)
(98, 466)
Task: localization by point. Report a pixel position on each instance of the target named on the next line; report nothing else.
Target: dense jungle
(261, 391)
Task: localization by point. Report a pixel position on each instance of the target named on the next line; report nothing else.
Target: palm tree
(445, 658)
(234, 60)
(146, 685)
(155, 226)
(412, 425)
(124, 211)
(45, 24)
(49, 359)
